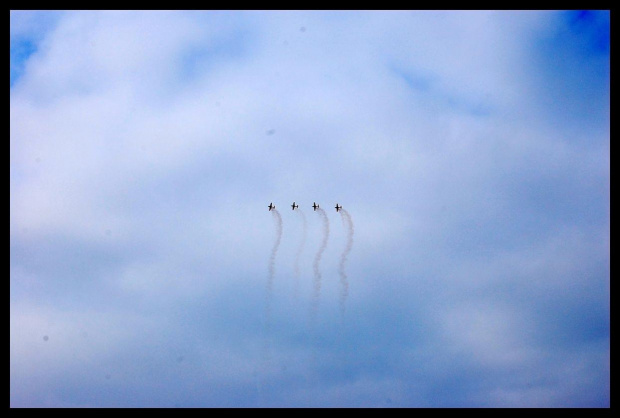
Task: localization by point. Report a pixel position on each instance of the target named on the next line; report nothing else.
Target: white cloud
(153, 141)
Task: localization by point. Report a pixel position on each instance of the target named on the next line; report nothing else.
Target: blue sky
(471, 150)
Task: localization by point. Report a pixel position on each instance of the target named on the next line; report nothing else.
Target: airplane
(294, 206)
(338, 207)
(315, 206)
(271, 206)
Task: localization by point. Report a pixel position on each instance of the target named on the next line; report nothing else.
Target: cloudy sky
(471, 150)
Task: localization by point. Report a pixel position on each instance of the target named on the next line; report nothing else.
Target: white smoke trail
(302, 244)
(317, 260)
(344, 291)
(266, 349)
(278, 220)
(272, 261)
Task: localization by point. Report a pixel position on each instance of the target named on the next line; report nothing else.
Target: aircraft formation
(349, 229)
(295, 206)
(314, 295)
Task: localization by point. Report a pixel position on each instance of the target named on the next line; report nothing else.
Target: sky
(470, 150)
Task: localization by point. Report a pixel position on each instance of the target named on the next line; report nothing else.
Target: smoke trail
(302, 244)
(348, 223)
(317, 260)
(266, 349)
(272, 261)
(278, 220)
